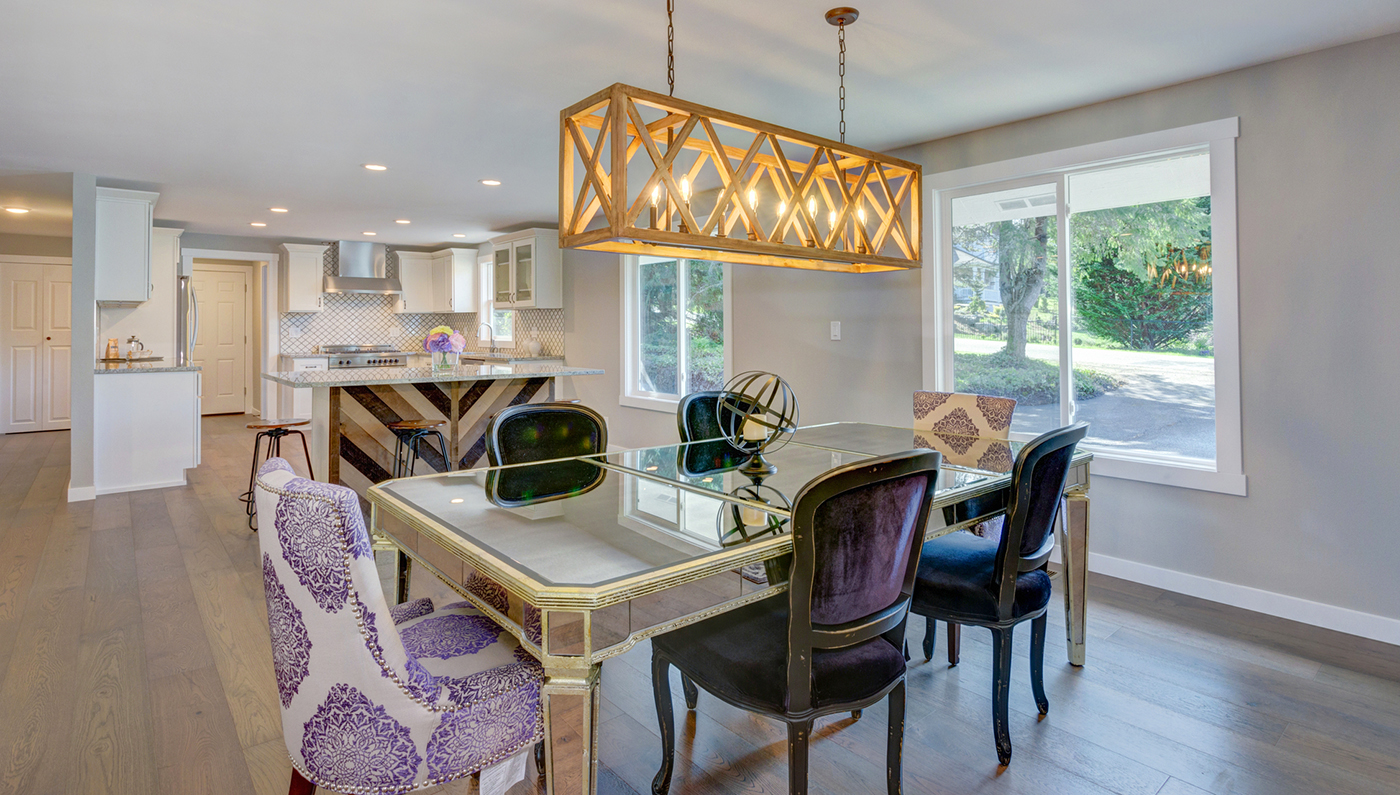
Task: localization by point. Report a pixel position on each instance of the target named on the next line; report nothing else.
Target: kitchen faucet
(491, 335)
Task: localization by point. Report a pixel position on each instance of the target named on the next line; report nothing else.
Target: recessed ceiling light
(257, 223)
(278, 209)
(492, 182)
(17, 210)
(376, 167)
(403, 221)
(458, 500)
(371, 234)
(459, 235)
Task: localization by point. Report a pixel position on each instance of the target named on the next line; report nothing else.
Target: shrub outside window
(676, 322)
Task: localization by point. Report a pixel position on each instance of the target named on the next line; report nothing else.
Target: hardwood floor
(134, 659)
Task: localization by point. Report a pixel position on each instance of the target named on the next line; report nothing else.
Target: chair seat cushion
(742, 655)
(469, 655)
(956, 575)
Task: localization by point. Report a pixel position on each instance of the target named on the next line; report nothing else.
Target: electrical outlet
(836, 329)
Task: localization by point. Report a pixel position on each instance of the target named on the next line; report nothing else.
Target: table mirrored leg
(402, 574)
(1074, 554)
(571, 701)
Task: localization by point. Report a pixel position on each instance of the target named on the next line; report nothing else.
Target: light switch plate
(836, 329)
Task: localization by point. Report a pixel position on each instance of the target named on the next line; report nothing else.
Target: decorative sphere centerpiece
(757, 414)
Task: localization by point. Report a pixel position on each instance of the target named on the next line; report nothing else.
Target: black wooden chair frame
(804, 636)
(1010, 563)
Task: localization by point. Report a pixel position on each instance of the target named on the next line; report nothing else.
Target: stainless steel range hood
(361, 269)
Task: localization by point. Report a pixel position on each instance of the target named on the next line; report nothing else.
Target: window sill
(1180, 475)
(667, 405)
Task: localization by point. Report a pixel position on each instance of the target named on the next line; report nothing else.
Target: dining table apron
(572, 627)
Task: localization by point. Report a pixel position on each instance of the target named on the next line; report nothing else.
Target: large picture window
(1098, 291)
(675, 323)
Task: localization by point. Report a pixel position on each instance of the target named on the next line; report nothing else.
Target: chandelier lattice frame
(691, 187)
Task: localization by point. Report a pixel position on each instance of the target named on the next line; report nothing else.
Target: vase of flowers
(445, 346)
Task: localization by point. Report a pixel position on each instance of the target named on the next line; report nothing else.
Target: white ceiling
(231, 108)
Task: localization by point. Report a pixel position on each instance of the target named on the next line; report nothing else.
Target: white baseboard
(81, 493)
(1341, 619)
(140, 487)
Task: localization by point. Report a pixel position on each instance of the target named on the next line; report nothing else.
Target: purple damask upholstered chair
(952, 419)
(379, 699)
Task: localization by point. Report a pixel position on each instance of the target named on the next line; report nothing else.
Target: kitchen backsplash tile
(349, 319)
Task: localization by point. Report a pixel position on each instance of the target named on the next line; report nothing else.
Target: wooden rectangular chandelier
(644, 173)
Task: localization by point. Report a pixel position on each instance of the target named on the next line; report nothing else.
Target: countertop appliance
(347, 356)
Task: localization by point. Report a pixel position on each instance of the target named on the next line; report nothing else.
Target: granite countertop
(368, 376)
(138, 367)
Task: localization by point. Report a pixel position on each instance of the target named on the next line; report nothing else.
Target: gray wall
(1318, 170)
(84, 353)
(1317, 174)
(782, 324)
(36, 245)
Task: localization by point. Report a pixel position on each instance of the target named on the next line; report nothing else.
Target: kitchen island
(350, 443)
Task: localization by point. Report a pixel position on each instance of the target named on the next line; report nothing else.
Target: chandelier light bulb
(812, 207)
(860, 215)
(753, 199)
(655, 195)
(782, 208)
(685, 189)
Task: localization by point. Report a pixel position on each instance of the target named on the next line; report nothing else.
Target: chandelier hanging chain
(841, 73)
(671, 46)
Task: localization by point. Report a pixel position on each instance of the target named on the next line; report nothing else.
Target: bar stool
(273, 431)
(411, 435)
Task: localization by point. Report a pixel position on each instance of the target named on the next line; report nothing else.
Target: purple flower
(438, 343)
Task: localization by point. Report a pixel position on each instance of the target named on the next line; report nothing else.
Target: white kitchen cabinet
(440, 282)
(301, 398)
(302, 277)
(526, 270)
(416, 276)
(123, 252)
(454, 280)
(146, 429)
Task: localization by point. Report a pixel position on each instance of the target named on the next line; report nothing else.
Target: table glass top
(589, 522)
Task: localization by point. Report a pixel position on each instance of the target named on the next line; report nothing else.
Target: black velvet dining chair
(557, 433)
(833, 642)
(998, 583)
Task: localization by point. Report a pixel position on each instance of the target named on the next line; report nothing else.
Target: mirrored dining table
(583, 558)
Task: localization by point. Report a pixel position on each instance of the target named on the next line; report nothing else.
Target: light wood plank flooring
(134, 659)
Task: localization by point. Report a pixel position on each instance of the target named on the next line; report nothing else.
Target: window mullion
(682, 352)
(1063, 264)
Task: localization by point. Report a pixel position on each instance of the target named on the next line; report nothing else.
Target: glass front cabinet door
(524, 287)
(502, 277)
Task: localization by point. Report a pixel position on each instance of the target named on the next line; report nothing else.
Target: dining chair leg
(799, 735)
(930, 632)
(692, 693)
(661, 690)
(1038, 626)
(1001, 686)
(894, 752)
(403, 575)
(954, 643)
(299, 785)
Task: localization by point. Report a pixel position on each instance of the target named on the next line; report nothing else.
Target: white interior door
(35, 346)
(222, 348)
(58, 346)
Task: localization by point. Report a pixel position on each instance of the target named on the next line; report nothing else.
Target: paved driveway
(1166, 403)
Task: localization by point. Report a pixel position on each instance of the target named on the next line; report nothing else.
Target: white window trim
(486, 289)
(653, 401)
(1226, 474)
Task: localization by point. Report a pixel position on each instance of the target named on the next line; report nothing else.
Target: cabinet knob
(48, 338)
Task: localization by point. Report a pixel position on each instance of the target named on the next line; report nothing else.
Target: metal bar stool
(273, 431)
(408, 449)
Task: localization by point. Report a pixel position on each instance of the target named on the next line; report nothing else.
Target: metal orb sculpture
(758, 414)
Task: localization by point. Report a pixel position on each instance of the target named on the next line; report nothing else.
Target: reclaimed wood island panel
(350, 442)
